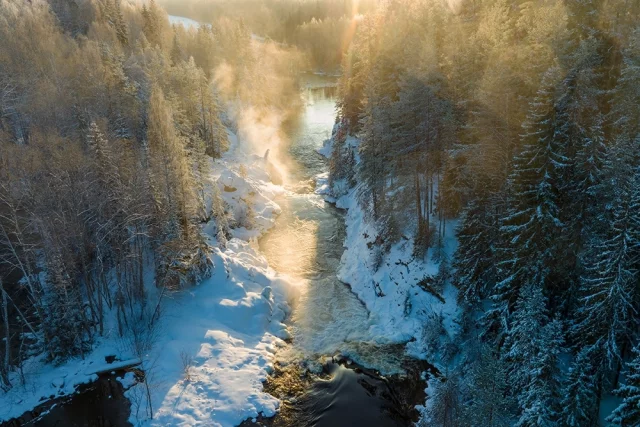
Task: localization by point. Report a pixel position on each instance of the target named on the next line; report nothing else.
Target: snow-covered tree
(609, 293)
(444, 408)
(489, 402)
(474, 260)
(532, 223)
(579, 397)
(533, 347)
(628, 413)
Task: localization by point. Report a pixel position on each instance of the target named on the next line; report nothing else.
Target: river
(329, 323)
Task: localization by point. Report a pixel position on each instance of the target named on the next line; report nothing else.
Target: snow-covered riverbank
(215, 342)
(230, 325)
(400, 309)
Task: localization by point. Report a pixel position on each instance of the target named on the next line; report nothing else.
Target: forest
(509, 126)
(521, 119)
(108, 116)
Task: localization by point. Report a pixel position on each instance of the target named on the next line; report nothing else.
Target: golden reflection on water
(305, 245)
(291, 248)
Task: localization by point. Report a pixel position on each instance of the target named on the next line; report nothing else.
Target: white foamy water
(307, 244)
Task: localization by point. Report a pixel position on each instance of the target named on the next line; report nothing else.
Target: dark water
(349, 398)
(328, 319)
(99, 404)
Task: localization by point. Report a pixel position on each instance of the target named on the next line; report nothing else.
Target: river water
(328, 319)
(306, 242)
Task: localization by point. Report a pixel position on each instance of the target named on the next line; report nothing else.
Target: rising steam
(263, 95)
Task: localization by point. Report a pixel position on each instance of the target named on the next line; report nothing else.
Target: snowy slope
(214, 343)
(230, 325)
(44, 380)
(400, 310)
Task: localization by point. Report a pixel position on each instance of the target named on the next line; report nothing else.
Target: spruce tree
(579, 398)
(628, 413)
(606, 316)
(489, 402)
(539, 397)
(474, 259)
(532, 223)
(120, 26)
(533, 345)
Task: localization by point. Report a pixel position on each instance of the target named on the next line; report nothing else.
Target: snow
(215, 342)
(228, 328)
(44, 380)
(181, 20)
(403, 312)
(396, 280)
(105, 367)
(252, 190)
(326, 149)
(128, 380)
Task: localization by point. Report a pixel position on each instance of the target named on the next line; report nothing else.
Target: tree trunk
(418, 205)
(4, 369)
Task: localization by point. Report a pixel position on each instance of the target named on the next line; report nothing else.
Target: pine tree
(121, 27)
(583, 18)
(532, 223)
(176, 49)
(533, 346)
(521, 343)
(488, 391)
(589, 163)
(66, 327)
(626, 93)
(474, 259)
(628, 413)
(609, 293)
(539, 397)
(579, 398)
(579, 135)
(151, 23)
(444, 407)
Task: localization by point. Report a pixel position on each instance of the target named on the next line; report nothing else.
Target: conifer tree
(609, 293)
(489, 403)
(539, 398)
(119, 24)
(474, 259)
(579, 398)
(176, 50)
(532, 223)
(152, 23)
(533, 345)
(628, 413)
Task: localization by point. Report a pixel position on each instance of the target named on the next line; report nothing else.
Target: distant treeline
(320, 28)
